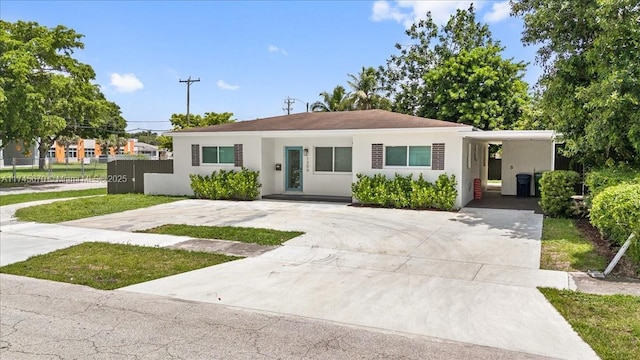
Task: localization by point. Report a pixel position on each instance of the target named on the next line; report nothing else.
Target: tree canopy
(179, 122)
(590, 51)
(456, 73)
(45, 92)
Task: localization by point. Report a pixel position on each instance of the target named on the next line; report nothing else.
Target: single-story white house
(320, 153)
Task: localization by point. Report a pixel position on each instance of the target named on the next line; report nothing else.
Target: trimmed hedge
(615, 212)
(404, 192)
(556, 189)
(600, 179)
(224, 185)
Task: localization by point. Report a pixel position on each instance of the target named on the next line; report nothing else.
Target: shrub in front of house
(556, 189)
(226, 185)
(404, 192)
(615, 212)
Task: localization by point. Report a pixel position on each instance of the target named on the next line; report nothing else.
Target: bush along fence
(615, 212)
(613, 202)
(405, 192)
(227, 185)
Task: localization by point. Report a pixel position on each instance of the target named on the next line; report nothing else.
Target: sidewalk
(47, 187)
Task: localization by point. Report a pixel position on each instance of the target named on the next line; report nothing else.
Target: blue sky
(249, 55)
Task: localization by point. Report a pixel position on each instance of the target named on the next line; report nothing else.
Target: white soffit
(506, 135)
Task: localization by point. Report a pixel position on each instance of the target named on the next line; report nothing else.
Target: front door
(293, 168)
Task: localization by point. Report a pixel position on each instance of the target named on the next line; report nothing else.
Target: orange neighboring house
(85, 148)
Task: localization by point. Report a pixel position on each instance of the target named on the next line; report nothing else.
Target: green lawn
(72, 170)
(111, 266)
(87, 207)
(248, 235)
(21, 198)
(565, 249)
(610, 324)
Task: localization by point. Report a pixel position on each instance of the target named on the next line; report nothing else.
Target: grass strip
(610, 324)
(87, 207)
(110, 266)
(46, 195)
(565, 249)
(243, 234)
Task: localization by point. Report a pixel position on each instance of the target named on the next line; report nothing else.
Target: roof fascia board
(318, 133)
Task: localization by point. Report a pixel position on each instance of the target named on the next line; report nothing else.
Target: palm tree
(338, 100)
(365, 87)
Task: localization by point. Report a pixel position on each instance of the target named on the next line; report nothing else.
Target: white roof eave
(511, 135)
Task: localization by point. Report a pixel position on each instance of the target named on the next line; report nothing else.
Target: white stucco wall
(178, 183)
(453, 154)
(527, 157)
(313, 182)
(474, 165)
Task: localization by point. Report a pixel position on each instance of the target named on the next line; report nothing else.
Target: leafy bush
(615, 212)
(222, 185)
(446, 192)
(556, 189)
(404, 192)
(600, 179)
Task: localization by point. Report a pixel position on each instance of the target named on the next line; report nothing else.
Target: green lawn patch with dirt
(87, 207)
(46, 195)
(610, 324)
(110, 266)
(564, 248)
(243, 234)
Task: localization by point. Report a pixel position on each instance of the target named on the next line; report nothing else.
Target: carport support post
(621, 252)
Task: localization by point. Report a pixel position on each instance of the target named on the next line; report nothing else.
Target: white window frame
(218, 163)
(333, 160)
(407, 166)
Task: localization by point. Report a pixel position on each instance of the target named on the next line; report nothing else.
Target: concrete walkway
(55, 186)
(468, 277)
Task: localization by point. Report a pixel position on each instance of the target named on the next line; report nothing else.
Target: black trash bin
(524, 185)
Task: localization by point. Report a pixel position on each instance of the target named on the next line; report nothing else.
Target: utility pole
(289, 101)
(189, 82)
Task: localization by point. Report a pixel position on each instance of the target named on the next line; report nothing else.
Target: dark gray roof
(340, 120)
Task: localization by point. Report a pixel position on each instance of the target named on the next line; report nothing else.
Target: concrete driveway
(467, 276)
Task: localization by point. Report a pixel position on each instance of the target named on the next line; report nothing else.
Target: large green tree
(456, 73)
(45, 93)
(476, 87)
(590, 51)
(180, 121)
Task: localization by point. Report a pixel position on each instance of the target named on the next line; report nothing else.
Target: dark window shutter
(238, 161)
(195, 155)
(437, 156)
(376, 156)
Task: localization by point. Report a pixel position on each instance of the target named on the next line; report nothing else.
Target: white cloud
(125, 83)
(499, 11)
(275, 49)
(224, 86)
(409, 12)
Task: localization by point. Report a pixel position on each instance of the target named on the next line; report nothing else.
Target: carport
(523, 152)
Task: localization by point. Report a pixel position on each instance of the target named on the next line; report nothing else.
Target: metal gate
(127, 176)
